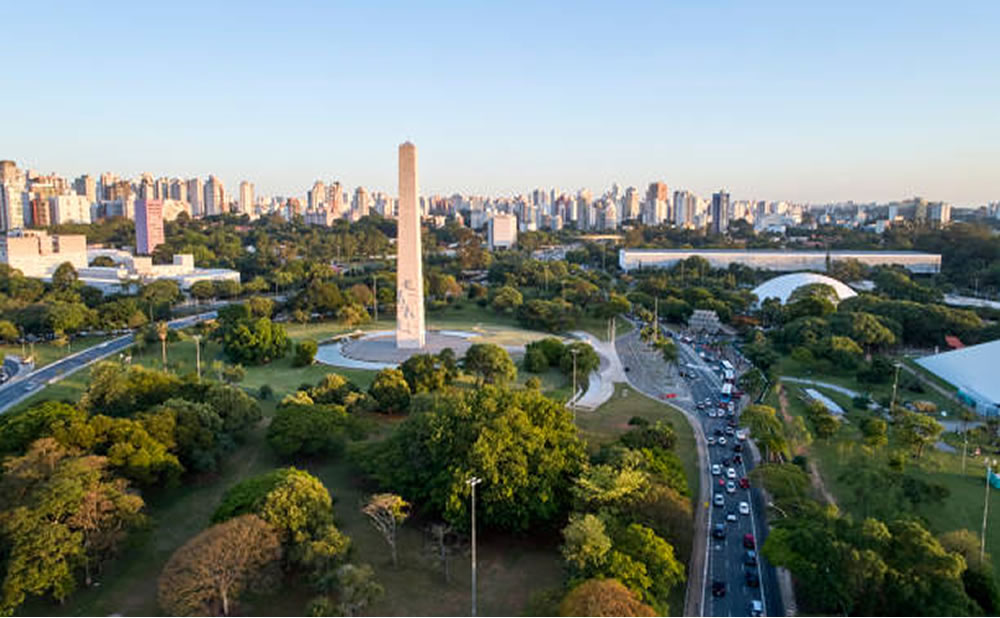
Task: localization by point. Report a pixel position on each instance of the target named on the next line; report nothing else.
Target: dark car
(750, 558)
(718, 588)
(725, 462)
(737, 448)
(744, 483)
(737, 458)
(719, 531)
(753, 580)
(749, 542)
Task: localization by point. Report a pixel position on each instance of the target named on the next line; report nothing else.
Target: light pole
(197, 354)
(895, 382)
(777, 508)
(574, 352)
(986, 511)
(375, 295)
(472, 482)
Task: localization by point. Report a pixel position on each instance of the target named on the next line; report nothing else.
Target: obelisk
(409, 260)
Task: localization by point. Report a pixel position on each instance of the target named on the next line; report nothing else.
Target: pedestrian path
(601, 383)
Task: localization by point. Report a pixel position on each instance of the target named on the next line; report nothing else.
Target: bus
(726, 393)
(727, 366)
(729, 375)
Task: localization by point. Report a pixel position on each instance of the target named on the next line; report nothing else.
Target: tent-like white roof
(974, 370)
(783, 286)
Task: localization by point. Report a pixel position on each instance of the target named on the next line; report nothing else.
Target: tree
(305, 352)
(603, 597)
(425, 373)
(585, 543)
(358, 588)
(490, 363)
(507, 299)
(210, 572)
(117, 390)
(587, 359)
(251, 341)
(391, 391)
(875, 431)
(8, 332)
(20, 428)
(308, 430)
(202, 290)
(161, 332)
(522, 444)
(917, 431)
(664, 571)
(387, 512)
(63, 512)
(64, 277)
(199, 435)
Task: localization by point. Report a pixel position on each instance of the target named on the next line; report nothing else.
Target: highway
(714, 560)
(20, 388)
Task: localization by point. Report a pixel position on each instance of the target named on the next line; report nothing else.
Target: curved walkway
(601, 383)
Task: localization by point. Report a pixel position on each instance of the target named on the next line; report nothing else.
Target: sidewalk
(601, 383)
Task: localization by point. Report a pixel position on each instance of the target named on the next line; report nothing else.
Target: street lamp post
(895, 382)
(197, 355)
(472, 482)
(986, 511)
(574, 352)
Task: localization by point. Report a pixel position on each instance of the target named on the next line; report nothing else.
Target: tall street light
(986, 510)
(574, 352)
(895, 382)
(197, 354)
(472, 482)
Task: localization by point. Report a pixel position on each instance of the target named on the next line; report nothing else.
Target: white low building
(786, 261)
(131, 271)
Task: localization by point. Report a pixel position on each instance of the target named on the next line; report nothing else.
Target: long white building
(781, 261)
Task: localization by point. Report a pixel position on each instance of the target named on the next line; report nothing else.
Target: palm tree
(161, 331)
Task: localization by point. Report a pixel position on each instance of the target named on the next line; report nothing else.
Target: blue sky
(773, 100)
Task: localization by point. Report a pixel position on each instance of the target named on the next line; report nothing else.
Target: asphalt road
(19, 389)
(720, 560)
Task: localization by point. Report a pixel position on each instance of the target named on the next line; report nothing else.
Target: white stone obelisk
(409, 258)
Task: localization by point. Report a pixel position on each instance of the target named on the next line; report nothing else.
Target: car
(626, 369)
(750, 558)
(717, 432)
(722, 440)
(719, 589)
(731, 516)
(737, 459)
(744, 483)
(700, 406)
(716, 469)
(719, 500)
(711, 440)
(749, 542)
(722, 482)
(729, 431)
(731, 473)
(756, 608)
(668, 395)
(719, 531)
(730, 487)
(737, 448)
(744, 508)
(752, 579)
(725, 462)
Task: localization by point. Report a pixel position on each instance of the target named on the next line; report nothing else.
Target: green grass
(46, 353)
(598, 327)
(608, 422)
(963, 508)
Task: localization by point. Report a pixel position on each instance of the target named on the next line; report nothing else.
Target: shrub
(305, 353)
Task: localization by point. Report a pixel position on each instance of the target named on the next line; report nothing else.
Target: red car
(668, 395)
(744, 483)
(749, 542)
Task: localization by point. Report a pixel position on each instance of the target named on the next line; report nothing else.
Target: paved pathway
(600, 383)
(832, 387)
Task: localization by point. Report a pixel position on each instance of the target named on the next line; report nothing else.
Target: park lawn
(46, 353)
(598, 327)
(606, 423)
(963, 508)
(790, 367)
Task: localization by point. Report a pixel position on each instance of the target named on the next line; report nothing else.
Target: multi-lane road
(20, 388)
(713, 560)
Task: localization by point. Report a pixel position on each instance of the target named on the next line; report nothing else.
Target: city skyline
(777, 101)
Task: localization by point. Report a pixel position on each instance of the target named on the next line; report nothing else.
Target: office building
(246, 198)
(70, 208)
(501, 231)
(720, 212)
(37, 254)
(148, 226)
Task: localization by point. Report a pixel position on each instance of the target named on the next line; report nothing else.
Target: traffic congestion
(737, 580)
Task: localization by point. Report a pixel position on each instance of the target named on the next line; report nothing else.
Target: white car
(716, 469)
(722, 440)
(744, 508)
(730, 487)
(731, 473)
(730, 516)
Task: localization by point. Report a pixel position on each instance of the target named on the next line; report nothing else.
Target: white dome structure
(783, 286)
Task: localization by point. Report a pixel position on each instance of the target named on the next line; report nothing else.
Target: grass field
(46, 353)
(963, 508)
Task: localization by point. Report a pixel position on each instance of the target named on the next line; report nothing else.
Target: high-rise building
(8, 171)
(361, 204)
(69, 208)
(178, 190)
(409, 258)
(246, 197)
(657, 191)
(316, 197)
(685, 209)
(720, 212)
(86, 186)
(632, 204)
(13, 185)
(215, 197)
(335, 200)
(196, 194)
(148, 226)
(501, 231)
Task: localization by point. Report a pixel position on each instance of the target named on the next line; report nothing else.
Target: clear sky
(872, 100)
